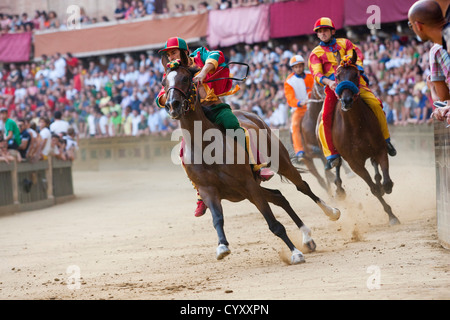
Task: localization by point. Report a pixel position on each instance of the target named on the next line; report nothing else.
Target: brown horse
(235, 181)
(357, 135)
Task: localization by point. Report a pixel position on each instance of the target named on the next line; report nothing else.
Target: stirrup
(266, 174)
(331, 163)
(300, 156)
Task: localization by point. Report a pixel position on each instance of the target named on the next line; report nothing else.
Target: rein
(192, 98)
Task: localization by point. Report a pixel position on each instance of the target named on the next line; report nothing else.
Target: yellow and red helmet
(324, 22)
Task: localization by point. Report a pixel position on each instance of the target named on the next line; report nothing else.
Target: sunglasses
(410, 24)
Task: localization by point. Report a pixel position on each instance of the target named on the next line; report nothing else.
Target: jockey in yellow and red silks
(323, 65)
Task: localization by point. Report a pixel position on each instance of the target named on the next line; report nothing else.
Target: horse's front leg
(376, 191)
(340, 192)
(215, 207)
(387, 182)
(377, 176)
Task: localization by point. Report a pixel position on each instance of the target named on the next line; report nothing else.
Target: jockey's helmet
(175, 43)
(324, 22)
(296, 60)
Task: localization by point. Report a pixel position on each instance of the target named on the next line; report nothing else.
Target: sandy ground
(132, 235)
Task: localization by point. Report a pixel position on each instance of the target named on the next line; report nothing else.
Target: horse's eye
(185, 80)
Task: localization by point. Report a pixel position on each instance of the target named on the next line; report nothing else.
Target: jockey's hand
(332, 85)
(200, 77)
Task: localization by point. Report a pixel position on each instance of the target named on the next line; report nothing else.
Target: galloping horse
(309, 137)
(357, 135)
(234, 182)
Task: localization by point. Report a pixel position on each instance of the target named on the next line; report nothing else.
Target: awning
(121, 36)
(232, 26)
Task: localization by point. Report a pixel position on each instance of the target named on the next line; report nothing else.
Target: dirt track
(132, 234)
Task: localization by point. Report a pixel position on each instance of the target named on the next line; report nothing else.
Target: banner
(121, 36)
(232, 26)
(295, 18)
(15, 47)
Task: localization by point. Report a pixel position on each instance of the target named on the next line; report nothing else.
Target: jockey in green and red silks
(211, 63)
(212, 66)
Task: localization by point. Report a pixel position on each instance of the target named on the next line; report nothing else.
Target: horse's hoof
(340, 194)
(311, 245)
(222, 251)
(394, 221)
(297, 258)
(336, 214)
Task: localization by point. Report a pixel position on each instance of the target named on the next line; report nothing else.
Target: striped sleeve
(315, 66)
(215, 57)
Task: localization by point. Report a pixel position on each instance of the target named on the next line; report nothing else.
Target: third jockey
(297, 88)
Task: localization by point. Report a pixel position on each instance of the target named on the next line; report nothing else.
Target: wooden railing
(29, 186)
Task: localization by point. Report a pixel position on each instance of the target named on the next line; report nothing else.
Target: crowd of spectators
(115, 95)
(124, 10)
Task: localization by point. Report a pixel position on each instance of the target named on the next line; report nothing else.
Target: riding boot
(391, 150)
(201, 208)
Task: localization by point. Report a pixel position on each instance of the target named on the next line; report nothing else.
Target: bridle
(347, 84)
(190, 98)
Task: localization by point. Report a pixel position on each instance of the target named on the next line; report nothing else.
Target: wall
(442, 149)
(30, 186)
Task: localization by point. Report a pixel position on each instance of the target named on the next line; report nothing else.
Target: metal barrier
(442, 155)
(30, 186)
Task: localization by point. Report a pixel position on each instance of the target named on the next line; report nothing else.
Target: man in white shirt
(59, 126)
(46, 136)
(60, 65)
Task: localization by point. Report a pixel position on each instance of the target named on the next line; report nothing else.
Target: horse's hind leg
(309, 162)
(290, 172)
(277, 198)
(275, 226)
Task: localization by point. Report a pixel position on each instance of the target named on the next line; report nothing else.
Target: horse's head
(347, 80)
(180, 89)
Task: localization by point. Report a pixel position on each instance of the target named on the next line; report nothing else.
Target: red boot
(201, 208)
